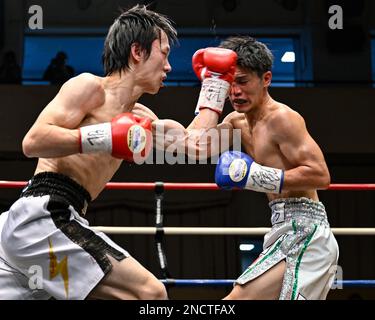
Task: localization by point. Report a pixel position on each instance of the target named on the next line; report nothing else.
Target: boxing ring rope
(202, 230)
(229, 283)
(190, 186)
(223, 231)
(159, 230)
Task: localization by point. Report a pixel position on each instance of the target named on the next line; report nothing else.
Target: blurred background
(326, 75)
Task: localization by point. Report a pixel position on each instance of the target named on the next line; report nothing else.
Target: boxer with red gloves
(80, 139)
(215, 67)
(126, 137)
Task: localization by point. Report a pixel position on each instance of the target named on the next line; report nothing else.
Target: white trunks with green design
(301, 236)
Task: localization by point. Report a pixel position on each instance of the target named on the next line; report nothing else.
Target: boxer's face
(248, 89)
(157, 65)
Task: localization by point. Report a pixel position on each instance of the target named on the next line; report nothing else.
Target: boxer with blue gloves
(238, 170)
(281, 159)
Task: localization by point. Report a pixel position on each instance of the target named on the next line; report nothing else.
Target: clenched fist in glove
(215, 67)
(126, 137)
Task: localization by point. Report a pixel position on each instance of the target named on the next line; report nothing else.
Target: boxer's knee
(152, 289)
(238, 293)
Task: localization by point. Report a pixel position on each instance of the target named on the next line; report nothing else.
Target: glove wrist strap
(265, 179)
(213, 93)
(96, 138)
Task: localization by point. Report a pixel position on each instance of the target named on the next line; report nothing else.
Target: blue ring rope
(229, 282)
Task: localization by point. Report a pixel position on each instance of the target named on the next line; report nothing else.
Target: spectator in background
(10, 71)
(58, 71)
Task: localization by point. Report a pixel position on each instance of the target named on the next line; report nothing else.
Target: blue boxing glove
(236, 169)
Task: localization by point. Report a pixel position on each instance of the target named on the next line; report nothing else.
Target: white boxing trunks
(301, 236)
(47, 249)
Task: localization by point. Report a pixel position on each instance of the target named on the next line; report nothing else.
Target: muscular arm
(55, 133)
(309, 169)
(206, 119)
(202, 138)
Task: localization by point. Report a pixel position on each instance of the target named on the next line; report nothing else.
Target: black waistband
(56, 184)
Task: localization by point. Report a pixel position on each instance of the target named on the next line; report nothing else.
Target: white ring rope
(221, 231)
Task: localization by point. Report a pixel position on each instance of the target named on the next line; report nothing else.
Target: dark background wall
(333, 51)
(338, 109)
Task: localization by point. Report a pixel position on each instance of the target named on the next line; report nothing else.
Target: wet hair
(252, 55)
(136, 25)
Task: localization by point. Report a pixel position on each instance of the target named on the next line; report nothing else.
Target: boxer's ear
(267, 77)
(136, 52)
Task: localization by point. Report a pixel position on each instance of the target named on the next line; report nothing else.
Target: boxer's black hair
(252, 55)
(136, 25)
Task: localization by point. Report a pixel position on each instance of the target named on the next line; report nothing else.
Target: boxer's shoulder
(87, 82)
(143, 111)
(281, 116)
(235, 119)
(86, 88)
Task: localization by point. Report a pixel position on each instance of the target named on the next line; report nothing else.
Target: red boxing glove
(216, 68)
(126, 137)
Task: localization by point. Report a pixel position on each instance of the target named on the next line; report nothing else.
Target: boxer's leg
(16, 286)
(128, 279)
(265, 287)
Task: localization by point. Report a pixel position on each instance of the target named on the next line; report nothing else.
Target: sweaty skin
(272, 133)
(279, 139)
(94, 170)
(276, 136)
(88, 99)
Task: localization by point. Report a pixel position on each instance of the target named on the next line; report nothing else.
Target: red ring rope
(186, 186)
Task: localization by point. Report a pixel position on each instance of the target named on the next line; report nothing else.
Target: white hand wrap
(265, 179)
(213, 93)
(96, 138)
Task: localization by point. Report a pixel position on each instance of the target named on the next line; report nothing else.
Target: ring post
(159, 235)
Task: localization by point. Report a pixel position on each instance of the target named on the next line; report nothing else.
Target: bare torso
(92, 171)
(258, 141)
